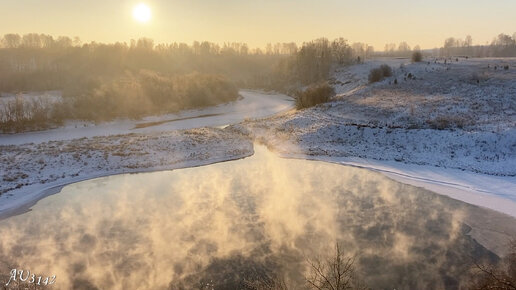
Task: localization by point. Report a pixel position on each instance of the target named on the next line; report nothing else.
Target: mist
(241, 221)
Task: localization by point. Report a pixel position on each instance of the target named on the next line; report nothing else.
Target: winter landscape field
(137, 157)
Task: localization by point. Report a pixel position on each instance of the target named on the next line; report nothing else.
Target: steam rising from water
(238, 220)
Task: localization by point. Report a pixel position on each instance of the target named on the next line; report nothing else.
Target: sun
(142, 13)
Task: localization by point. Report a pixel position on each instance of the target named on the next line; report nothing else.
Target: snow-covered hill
(438, 120)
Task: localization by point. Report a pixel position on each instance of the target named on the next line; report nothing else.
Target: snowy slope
(439, 128)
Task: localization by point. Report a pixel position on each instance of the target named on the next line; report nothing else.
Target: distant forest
(42, 62)
(38, 62)
(503, 45)
(102, 82)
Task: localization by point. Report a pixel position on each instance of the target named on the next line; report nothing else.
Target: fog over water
(240, 220)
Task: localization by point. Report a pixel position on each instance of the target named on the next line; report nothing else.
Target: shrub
(19, 115)
(386, 70)
(313, 95)
(417, 56)
(448, 122)
(375, 75)
(378, 74)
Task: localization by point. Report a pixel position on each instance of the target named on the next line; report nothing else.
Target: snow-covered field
(438, 128)
(472, 94)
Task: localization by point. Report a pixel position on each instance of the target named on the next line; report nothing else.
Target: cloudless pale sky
(377, 22)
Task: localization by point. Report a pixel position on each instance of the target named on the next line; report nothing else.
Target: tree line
(38, 62)
(403, 49)
(503, 45)
(104, 81)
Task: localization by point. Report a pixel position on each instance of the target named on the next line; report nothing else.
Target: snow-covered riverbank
(30, 170)
(33, 164)
(438, 129)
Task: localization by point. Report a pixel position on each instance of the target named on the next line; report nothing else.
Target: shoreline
(480, 218)
(453, 188)
(461, 190)
(28, 199)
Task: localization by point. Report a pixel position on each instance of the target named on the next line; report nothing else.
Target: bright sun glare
(142, 13)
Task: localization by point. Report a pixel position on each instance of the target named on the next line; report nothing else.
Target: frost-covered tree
(342, 52)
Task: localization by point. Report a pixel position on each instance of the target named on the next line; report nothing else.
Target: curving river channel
(251, 105)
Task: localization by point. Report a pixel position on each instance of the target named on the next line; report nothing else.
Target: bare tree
(336, 273)
(403, 47)
(390, 48)
(497, 277)
(12, 40)
(145, 44)
(504, 40)
(64, 42)
(268, 283)
(31, 40)
(369, 51)
(450, 42)
(359, 49)
(468, 41)
(341, 50)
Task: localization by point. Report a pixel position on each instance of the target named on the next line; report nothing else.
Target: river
(255, 219)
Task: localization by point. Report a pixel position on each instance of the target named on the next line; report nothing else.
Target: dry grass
(378, 74)
(314, 95)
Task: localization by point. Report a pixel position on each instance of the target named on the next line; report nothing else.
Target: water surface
(234, 222)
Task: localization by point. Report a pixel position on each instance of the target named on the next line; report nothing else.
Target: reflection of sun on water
(142, 13)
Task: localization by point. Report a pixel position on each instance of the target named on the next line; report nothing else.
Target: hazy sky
(377, 22)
